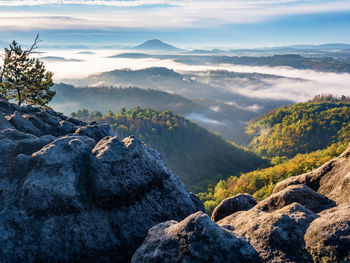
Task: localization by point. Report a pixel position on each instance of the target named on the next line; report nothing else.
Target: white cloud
(164, 13)
(231, 3)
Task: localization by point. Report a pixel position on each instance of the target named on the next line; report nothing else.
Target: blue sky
(195, 23)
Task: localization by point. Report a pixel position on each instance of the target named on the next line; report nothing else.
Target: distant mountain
(328, 46)
(86, 53)
(60, 59)
(206, 51)
(156, 45)
(289, 57)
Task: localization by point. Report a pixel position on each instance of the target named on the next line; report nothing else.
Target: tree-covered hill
(213, 115)
(302, 127)
(70, 98)
(297, 138)
(198, 157)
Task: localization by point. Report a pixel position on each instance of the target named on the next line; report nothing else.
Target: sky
(185, 23)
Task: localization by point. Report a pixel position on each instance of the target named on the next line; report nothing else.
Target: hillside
(198, 157)
(68, 99)
(214, 115)
(302, 127)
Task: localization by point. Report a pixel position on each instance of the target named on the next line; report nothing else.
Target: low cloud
(203, 119)
(293, 84)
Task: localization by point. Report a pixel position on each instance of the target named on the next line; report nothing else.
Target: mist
(296, 85)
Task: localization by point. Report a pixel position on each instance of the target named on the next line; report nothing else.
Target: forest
(301, 128)
(296, 139)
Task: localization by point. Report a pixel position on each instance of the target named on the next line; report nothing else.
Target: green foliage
(260, 183)
(302, 127)
(198, 157)
(25, 79)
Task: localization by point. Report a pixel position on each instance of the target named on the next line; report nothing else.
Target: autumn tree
(23, 78)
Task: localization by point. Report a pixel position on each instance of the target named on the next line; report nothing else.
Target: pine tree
(25, 79)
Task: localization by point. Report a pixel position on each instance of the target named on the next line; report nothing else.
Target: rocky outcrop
(328, 237)
(332, 179)
(296, 193)
(240, 202)
(195, 239)
(71, 192)
(277, 236)
(306, 219)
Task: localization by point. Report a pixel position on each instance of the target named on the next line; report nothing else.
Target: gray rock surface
(328, 237)
(195, 239)
(307, 219)
(240, 202)
(98, 132)
(296, 193)
(277, 236)
(67, 194)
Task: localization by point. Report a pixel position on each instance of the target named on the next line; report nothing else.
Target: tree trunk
(19, 97)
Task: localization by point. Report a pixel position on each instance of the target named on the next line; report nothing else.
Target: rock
(29, 146)
(296, 193)
(67, 127)
(15, 135)
(4, 124)
(44, 127)
(124, 168)
(6, 107)
(67, 197)
(277, 236)
(23, 125)
(76, 121)
(7, 148)
(331, 179)
(48, 118)
(240, 202)
(55, 175)
(98, 132)
(328, 237)
(195, 239)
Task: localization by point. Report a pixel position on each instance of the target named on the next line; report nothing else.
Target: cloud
(203, 119)
(132, 3)
(156, 13)
(294, 84)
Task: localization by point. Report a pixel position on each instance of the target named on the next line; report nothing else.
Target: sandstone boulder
(296, 193)
(328, 237)
(195, 239)
(277, 236)
(240, 202)
(331, 179)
